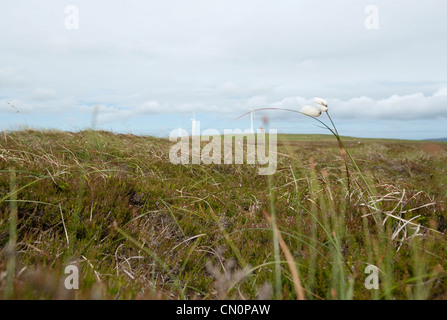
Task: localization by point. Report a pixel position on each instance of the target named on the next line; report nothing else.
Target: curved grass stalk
(334, 133)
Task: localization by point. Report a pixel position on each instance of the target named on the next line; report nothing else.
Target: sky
(147, 66)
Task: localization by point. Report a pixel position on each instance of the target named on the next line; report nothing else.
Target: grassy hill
(138, 226)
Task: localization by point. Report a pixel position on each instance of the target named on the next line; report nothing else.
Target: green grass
(140, 227)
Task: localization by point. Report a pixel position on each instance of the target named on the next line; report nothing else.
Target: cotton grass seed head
(323, 108)
(321, 102)
(311, 111)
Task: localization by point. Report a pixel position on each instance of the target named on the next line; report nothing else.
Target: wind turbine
(193, 123)
(252, 111)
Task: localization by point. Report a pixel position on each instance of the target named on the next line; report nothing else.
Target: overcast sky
(149, 65)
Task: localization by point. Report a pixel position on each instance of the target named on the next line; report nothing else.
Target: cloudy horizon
(148, 66)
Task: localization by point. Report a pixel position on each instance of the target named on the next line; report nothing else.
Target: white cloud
(43, 94)
(415, 106)
(229, 88)
(406, 107)
(12, 77)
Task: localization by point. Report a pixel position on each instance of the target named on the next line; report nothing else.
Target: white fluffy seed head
(311, 111)
(321, 102)
(323, 108)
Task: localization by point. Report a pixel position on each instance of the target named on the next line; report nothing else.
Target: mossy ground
(140, 227)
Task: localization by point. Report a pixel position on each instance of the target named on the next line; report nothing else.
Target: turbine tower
(251, 119)
(193, 124)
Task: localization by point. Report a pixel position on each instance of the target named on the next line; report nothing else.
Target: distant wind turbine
(252, 111)
(193, 124)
